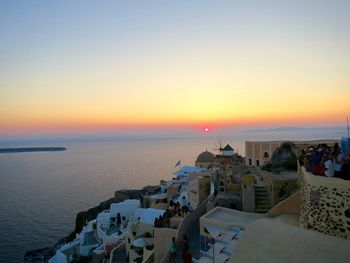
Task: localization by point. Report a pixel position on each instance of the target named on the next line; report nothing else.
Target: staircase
(262, 199)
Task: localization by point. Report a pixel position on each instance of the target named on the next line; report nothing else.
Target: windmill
(219, 144)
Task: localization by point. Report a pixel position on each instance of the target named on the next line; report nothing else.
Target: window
(250, 161)
(266, 155)
(257, 163)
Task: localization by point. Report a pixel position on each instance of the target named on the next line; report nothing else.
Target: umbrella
(140, 242)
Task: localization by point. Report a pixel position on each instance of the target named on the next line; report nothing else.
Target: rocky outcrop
(119, 196)
(283, 158)
(91, 214)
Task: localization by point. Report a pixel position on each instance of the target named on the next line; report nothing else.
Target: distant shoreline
(32, 149)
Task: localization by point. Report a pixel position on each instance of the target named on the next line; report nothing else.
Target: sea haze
(41, 192)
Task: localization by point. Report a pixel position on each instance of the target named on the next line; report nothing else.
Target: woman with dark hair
(185, 245)
(187, 258)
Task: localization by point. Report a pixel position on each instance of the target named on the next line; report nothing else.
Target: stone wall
(325, 205)
(162, 242)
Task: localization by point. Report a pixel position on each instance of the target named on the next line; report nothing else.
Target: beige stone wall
(248, 193)
(204, 188)
(161, 206)
(248, 151)
(198, 187)
(144, 228)
(280, 189)
(257, 154)
(172, 190)
(325, 205)
(162, 241)
(193, 191)
(233, 188)
(289, 206)
(256, 150)
(204, 164)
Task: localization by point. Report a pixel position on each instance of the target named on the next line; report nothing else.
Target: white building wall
(58, 258)
(126, 208)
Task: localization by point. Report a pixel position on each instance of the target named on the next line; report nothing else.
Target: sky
(112, 66)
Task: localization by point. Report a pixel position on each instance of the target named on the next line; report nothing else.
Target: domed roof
(205, 157)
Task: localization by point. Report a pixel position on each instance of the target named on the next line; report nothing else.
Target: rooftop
(283, 175)
(148, 215)
(277, 242)
(89, 239)
(227, 148)
(232, 217)
(186, 169)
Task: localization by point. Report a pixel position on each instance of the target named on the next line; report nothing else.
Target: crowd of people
(326, 161)
(177, 209)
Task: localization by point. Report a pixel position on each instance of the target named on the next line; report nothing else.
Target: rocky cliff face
(283, 158)
(119, 196)
(91, 214)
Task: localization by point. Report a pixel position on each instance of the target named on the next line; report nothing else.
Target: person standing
(183, 205)
(141, 197)
(172, 250)
(328, 165)
(185, 245)
(119, 219)
(187, 258)
(338, 163)
(189, 207)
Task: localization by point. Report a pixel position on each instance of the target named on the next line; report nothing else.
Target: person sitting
(160, 221)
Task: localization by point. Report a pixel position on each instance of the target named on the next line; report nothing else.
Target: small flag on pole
(178, 163)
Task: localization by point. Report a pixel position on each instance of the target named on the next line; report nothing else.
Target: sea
(41, 192)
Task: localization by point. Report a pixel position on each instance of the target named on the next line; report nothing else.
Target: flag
(178, 163)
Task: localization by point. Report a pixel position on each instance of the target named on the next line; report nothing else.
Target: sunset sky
(77, 66)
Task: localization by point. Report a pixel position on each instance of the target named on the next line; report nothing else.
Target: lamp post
(212, 241)
(214, 252)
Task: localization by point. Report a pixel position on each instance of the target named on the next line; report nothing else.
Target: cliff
(91, 214)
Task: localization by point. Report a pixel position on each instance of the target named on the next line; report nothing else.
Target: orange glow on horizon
(77, 126)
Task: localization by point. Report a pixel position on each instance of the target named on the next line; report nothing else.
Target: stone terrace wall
(325, 204)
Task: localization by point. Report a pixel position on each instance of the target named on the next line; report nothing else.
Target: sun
(206, 130)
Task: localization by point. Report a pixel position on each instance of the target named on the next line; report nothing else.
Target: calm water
(40, 193)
